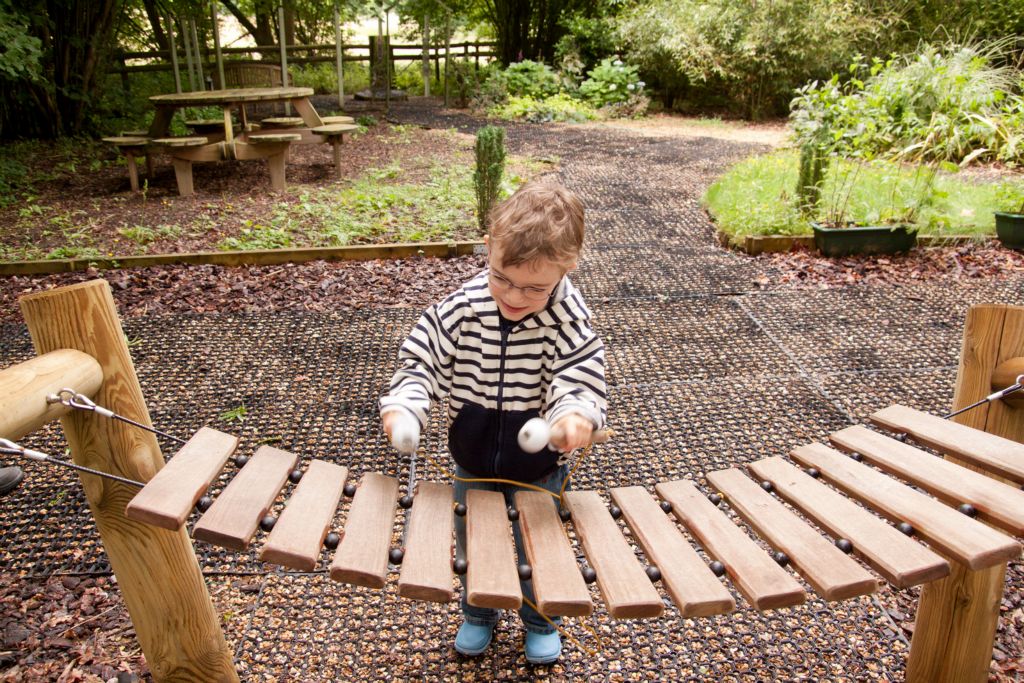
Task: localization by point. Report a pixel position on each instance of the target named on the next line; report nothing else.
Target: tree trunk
(81, 34)
(153, 12)
(246, 24)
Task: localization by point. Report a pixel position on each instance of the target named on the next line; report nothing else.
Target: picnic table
(219, 143)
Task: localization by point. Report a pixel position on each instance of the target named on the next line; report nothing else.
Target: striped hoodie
(497, 377)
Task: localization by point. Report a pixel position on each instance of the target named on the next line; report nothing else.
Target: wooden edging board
(264, 257)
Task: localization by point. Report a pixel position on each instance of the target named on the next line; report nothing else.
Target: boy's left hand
(571, 432)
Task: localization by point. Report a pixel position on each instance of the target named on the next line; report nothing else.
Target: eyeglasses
(531, 293)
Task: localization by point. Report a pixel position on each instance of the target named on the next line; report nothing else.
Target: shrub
(531, 79)
(559, 107)
(948, 103)
(611, 82)
(490, 165)
(493, 89)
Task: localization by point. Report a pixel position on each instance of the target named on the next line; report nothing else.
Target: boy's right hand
(389, 419)
(402, 429)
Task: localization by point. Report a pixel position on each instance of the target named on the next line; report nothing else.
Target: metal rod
(11, 448)
(1002, 393)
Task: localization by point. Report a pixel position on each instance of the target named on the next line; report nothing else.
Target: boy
(513, 343)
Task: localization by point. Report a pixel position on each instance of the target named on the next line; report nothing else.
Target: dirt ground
(90, 208)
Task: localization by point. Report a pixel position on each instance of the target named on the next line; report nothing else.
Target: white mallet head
(534, 435)
(405, 434)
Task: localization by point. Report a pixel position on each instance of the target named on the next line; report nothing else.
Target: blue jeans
(485, 616)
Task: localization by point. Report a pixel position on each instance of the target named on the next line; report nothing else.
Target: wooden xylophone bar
(493, 579)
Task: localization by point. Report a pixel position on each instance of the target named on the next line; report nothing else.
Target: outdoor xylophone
(493, 573)
(966, 524)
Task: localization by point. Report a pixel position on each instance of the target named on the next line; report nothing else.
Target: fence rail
(313, 54)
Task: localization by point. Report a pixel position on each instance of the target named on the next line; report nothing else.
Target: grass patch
(756, 197)
(382, 205)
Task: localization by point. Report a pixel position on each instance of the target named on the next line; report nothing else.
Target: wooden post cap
(127, 140)
(274, 137)
(180, 142)
(335, 129)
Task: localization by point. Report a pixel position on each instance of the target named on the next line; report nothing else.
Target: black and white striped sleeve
(578, 383)
(424, 363)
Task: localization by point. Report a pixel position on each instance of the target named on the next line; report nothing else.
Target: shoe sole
(13, 485)
(545, 660)
(472, 653)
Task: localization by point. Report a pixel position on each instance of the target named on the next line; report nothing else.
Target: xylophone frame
(177, 626)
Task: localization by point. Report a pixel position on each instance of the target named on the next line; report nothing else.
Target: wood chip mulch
(313, 286)
(806, 269)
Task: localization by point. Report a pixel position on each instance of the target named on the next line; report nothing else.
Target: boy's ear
(571, 267)
(487, 243)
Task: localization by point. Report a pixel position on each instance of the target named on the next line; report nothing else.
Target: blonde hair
(543, 220)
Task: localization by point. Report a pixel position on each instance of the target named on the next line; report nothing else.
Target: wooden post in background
(957, 616)
(157, 571)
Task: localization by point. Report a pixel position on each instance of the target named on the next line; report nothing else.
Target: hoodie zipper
(501, 390)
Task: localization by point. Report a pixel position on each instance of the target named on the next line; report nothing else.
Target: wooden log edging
(263, 257)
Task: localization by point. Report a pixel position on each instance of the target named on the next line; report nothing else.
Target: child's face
(523, 289)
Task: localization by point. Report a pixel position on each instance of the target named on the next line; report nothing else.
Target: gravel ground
(714, 359)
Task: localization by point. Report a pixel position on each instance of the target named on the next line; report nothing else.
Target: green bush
(323, 77)
(611, 82)
(531, 79)
(558, 107)
(490, 166)
(948, 103)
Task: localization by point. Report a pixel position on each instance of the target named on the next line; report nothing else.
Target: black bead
(459, 566)
(268, 522)
(525, 572)
(781, 558)
(204, 503)
(396, 556)
(405, 502)
(653, 573)
(589, 575)
(563, 514)
(905, 528)
(350, 490)
(813, 472)
(332, 540)
(968, 509)
(717, 568)
(513, 514)
(616, 512)
(240, 460)
(295, 476)
(666, 506)
(767, 486)
(715, 499)
(857, 456)
(460, 509)
(845, 545)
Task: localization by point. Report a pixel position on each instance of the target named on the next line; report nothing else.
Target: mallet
(536, 434)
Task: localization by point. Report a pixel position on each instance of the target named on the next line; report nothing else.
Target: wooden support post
(183, 175)
(339, 57)
(957, 615)
(156, 569)
(215, 22)
(174, 54)
(425, 66)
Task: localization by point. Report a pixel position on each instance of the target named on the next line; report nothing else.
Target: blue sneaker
(473, 639)
(543, 648)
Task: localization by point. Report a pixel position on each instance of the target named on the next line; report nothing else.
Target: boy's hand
(389, 419)
(571, 432)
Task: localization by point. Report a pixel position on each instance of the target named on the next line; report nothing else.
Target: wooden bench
(337, 119)
(334, 134)
(131, 146)
(249, 75)
(273, 146)
(182, 162)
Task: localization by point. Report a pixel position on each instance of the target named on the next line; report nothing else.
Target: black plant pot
(865, 240)
(1010, 229)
